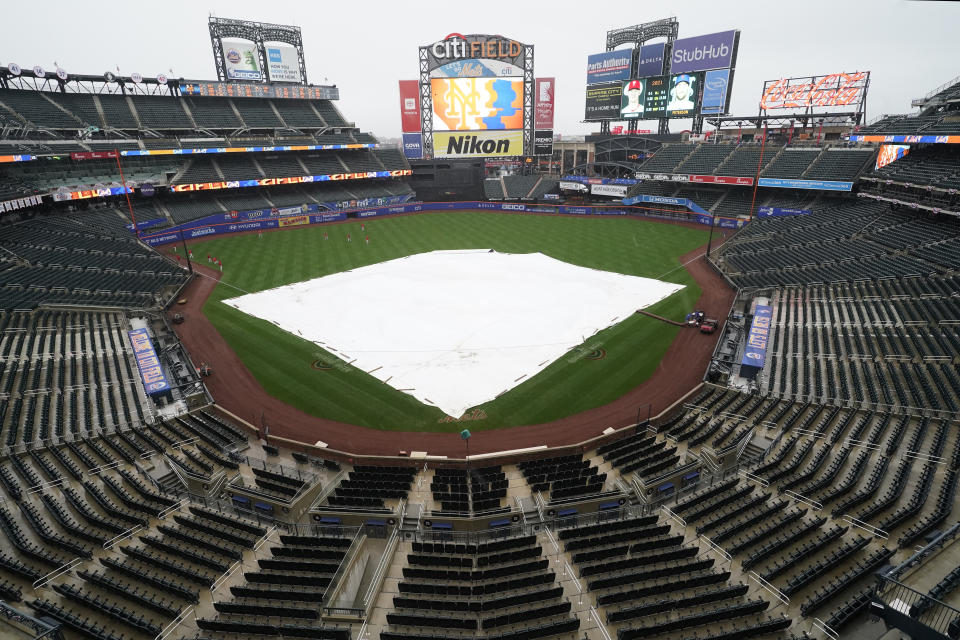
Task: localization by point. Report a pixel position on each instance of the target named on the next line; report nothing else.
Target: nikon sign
(477, 144)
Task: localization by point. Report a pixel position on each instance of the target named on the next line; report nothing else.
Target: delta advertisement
(409, 106)
(241, 60)
(755, 351)
(151, 373)
(702, 53)
(650, 60)
(477, 104)
(283, 63)
(609, 66)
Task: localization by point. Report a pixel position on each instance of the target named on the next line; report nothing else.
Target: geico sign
(459, 46)
(834, 90)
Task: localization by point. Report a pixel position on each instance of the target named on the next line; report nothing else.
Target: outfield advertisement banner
(21, 158)
(477, 144)
(791, 183)
(755, 351)
(777, 212)
(63, 196)
(151, 372)
(615, 190)
(587, 180)
(192, 230)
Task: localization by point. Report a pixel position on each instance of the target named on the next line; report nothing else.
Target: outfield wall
(209, 227)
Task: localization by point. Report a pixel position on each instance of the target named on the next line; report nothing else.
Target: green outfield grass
(282, 362)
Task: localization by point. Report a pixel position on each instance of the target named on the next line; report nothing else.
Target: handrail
(807, 501)
(122, 536)
(553, 541)
(342, 567)
(779, 595)
(670, 514)
(754, 478)
(174, 507)
(176, 622)
(59, 571)
(600, 625)
(824, 628)
(226, 574)
(723, 554)
(869, 528)
(381, 569)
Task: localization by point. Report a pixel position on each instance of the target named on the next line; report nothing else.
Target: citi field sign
(457, 46)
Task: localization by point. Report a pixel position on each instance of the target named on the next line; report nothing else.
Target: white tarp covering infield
(455, 329)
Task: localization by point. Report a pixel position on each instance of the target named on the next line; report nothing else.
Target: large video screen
(477, 104)
(891, 152)
(603, 101)
(683, 90)
(655, 101)
(632, 104)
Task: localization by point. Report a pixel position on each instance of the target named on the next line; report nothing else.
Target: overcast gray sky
(365, 47)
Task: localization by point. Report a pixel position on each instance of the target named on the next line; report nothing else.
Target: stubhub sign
(701, 53)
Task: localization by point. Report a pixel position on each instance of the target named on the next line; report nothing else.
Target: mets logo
(233, 56)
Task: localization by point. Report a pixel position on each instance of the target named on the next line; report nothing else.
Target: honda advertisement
(609, 66)
(409, 106)
(412, 146)
(701, 53)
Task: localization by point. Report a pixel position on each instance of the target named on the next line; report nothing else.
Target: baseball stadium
(265, 373)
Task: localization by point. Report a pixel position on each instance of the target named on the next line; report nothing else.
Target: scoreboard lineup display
(658, 94)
